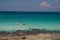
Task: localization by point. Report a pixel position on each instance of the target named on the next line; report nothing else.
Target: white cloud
(44, 4)
(57, 1)
(58, 4)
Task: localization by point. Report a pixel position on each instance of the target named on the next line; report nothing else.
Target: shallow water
(39, 20)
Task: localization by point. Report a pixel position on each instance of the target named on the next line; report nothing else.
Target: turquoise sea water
(39, 20)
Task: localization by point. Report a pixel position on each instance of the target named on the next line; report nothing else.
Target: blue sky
(29, 5)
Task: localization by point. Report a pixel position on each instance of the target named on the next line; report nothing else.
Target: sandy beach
(18, 35)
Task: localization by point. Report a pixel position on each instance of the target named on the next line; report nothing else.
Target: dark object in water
(23, 24)
(23, 37)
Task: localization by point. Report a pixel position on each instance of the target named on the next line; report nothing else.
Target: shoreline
(34, 34)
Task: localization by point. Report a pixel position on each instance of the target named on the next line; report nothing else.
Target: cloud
(45, 4)
(57, 1)
(58, 4)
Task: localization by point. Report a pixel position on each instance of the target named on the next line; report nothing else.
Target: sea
(12, 20)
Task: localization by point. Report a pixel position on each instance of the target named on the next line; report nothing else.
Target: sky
(30, 5)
